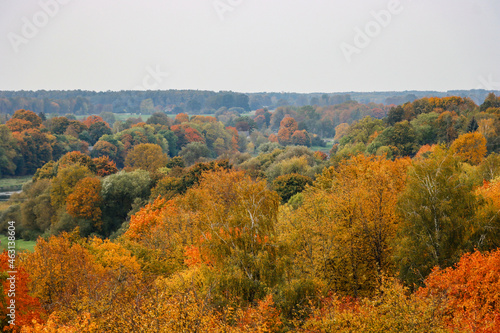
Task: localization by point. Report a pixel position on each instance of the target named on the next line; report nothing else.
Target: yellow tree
(343, 229)
(340, 131)
(64, 183)
(236, 217)
(146, 156)
(161, 231)
(470, 147)
(74, 278)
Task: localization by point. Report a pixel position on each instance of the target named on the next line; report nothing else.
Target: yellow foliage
(342, 231)
(470, 147)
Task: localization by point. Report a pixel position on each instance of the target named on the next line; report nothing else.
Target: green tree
(7, 152)
(289, 185)
(438, 211)
(147, 106)
(193, 151)
(159, 118)
(36, 210)
(98, 129)
(119, 192)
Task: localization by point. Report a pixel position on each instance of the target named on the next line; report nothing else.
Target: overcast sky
(250, 45)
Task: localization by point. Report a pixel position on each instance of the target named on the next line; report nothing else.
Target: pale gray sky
(250, 45)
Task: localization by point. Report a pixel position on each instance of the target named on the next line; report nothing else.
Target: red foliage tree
(27, 308)
(93, 119)
(469, 292)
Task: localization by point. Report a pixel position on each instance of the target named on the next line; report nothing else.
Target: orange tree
(468, 293)
(27, 307)
(470, 147)
(85, 200)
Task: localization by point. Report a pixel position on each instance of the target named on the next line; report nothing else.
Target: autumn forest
(220, 212)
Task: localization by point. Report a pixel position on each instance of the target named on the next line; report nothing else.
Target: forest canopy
(345, 217)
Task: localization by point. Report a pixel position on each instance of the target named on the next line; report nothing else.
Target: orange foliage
(146, 156)
(288, 126)
(470, 147)
(181, 118)
(93, 119)
(140, 124)
(76, 157)
(234, 138)
(148, 219)
(27, 307)
(301, 138)
(104, 166)
(193, 256)
(422, 152)
(161, 230)
(273, 138)
(469, 292)
(203, 119)
(82, 324)
(85, 200)
(72, 277)
(320, 155)
(24, 119)
(193, 135)
(262, 318)
(491, 190)
(18, 125)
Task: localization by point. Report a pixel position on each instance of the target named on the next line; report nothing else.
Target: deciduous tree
(146, 156)
(470, 147)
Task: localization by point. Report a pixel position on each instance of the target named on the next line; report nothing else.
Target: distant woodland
(81, 102)
(193, 211)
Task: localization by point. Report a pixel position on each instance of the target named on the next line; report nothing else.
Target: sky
(250, 45)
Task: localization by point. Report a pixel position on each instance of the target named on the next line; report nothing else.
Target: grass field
(14, 183)
(325, 149)
(21, 245)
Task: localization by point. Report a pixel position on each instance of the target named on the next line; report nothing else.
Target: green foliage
(290, 184)
(194, 151)
(438, 210)
(36, 210)
(118, 193)
(400, 138)
(7, 152)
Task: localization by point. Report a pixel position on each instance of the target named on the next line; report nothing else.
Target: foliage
(64, 183)
(27, 307)
(468, 292)
(290, 184)
(85, 200)
(193, 152)
(343, 229)
(119, 191)
(146, 156)
(438, 209)
(470, 147)
(391, 310)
